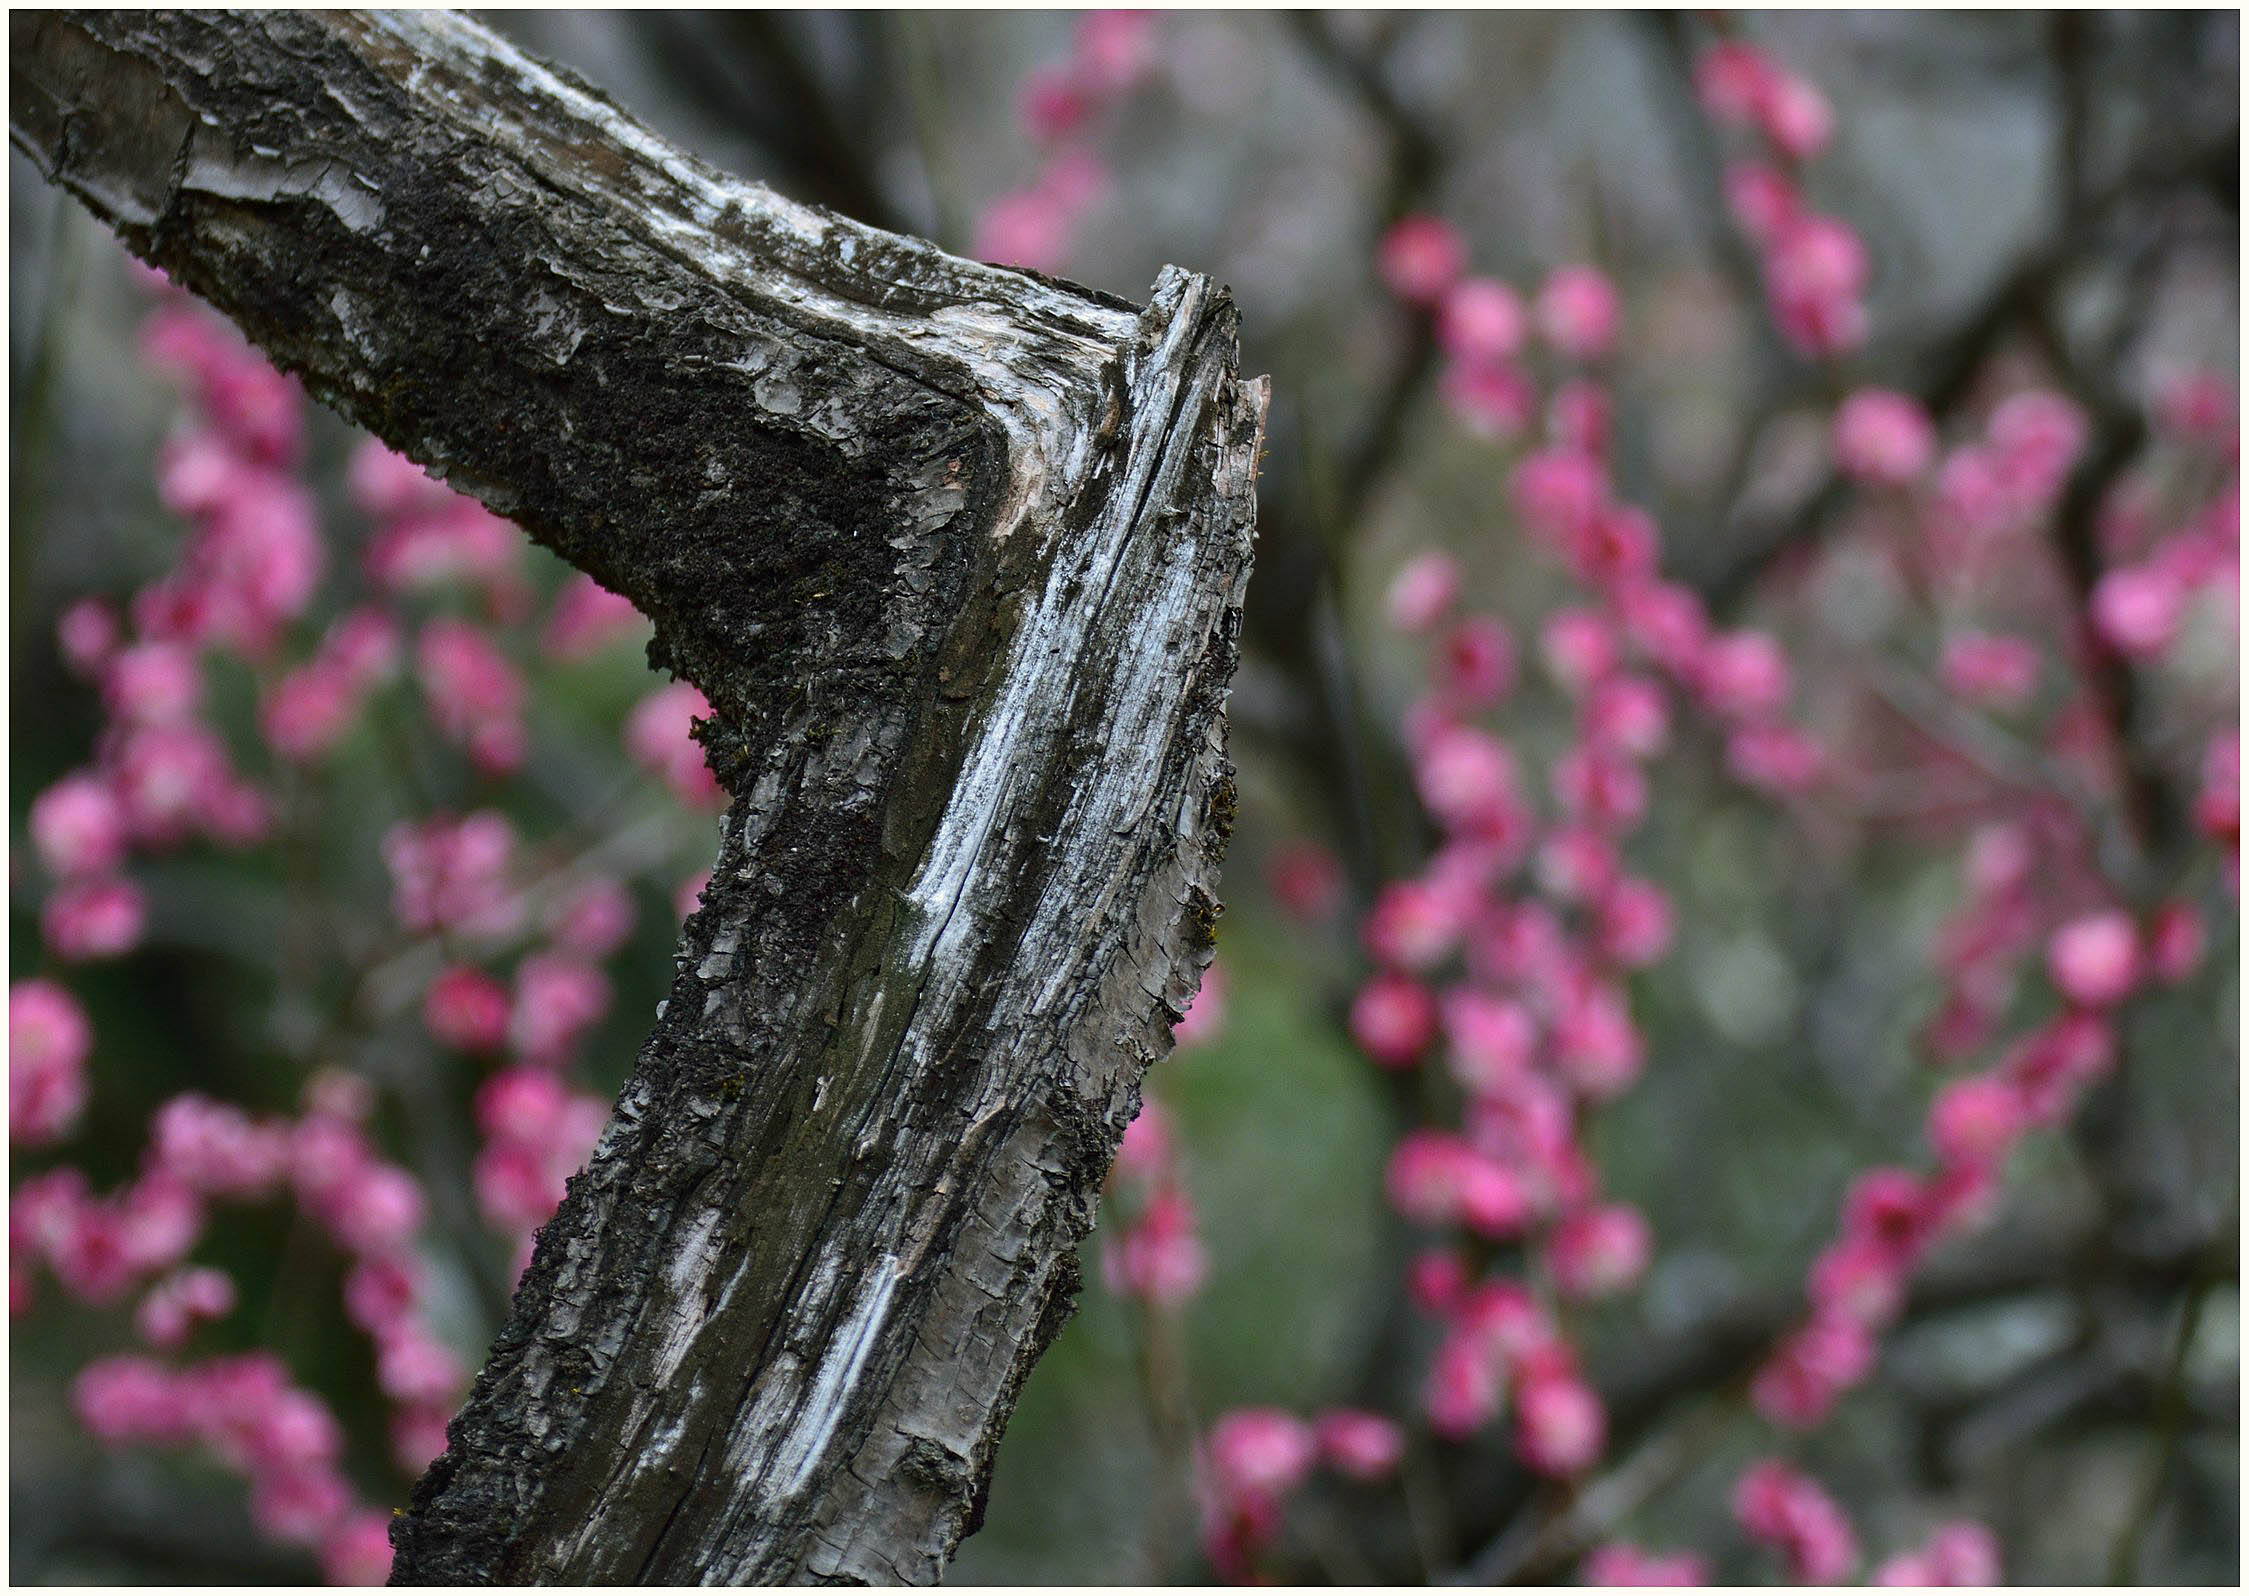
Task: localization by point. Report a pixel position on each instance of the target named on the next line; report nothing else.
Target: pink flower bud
(1795, 117)
(660, 736)
(1261, 1452)
(2175, 943)
(93, 919)
(48, 1040)
(1579, 313)
(2095, 960)
(1423, 590)
(358, 1552)
(1559, 1425)
(1883, 438)
(1763, 200)
(87, 634)
(1619, 1564)
(1480, 320)
(1475, 664)
(1975, 1121)
(1365, 1446)
(1733, 79)
(1579, 648)
(2138, 608)
(1998, 672)
(1421, 257)
(1598, 1251)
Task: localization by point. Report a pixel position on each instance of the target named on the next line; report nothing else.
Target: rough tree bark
(956, 553)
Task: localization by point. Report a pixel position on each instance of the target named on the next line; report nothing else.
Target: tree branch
(956, 554)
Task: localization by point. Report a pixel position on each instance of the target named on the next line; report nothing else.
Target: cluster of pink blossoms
(1816, 267)
(1256, 1458)
(162, 777)
(1062, 105)
(243, 1410)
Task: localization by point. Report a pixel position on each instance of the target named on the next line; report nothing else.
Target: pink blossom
(1145, 1152)
(1963, 1553)
(593, 916)
(1995, 671)
(357, 1552)
(93, 919)
(1206, 1012)
(173, 1305)
(1579, 313)
(1733, 79)
(1795, 116)
(1580, 415)
(153, 683)
(457, 541)
(475, 693)
(1261, 1452)
(78, 826)
(377, 1210)
(450, 874)
(1743, 675)
(660, 736)
(1619, 1564)
(129, 1399)
(170, 779)
(48, 1040)
(1436, 1278)
(1666, 623)
(216, 1148)
(1481, 319)
(381, 1291)
(2137, 609)
(466, 1009)
(1599, 788)
(1789, 1512)
(415, 1367)
(2198, 407)
(516, 1187)
(387, 485)
(2036, 436)
(689, 896)
(2053, 1064)
(1158, 1257)
(1365, 1446)
(1560, 1428)
(1975, 1121)
(417, 1437)
(586, 619)
(557, 997)
(1465, 1387)
(1884, 438)
(1556, 493)
(1475, 664)
(1423, 590)
(2095, 960)
(1493, 399)
(1426, 1174)
(2217, 808)
(521, 1104)
(1467, 778)
(1616, 547)
(1817, 272)
(1798, 1387)
(1421, 257)
(1775, 759)
(1053, 104)
(1414, 925)
(1765, 201)
(1858, 1278)
(1634, 923)
(2175, 943)
(1114, 48)
(1493, 1039)
(1579, 648)
(1598, 1251)
(299, 1506)
(1577, 863)
(307, 712)
(87, 633)
(1597, 1050)
(1029, 228)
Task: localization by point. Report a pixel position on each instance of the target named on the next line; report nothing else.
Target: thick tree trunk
(956, 553)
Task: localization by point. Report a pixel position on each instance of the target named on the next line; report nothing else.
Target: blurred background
(2043, 199)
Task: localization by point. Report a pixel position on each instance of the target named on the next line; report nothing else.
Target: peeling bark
(956, 553)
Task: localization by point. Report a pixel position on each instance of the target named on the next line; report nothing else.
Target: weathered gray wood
(957, 555)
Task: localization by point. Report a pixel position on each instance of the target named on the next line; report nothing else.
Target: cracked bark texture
(956, 553)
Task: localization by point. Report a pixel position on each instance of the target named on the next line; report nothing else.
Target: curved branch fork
(957, 555)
